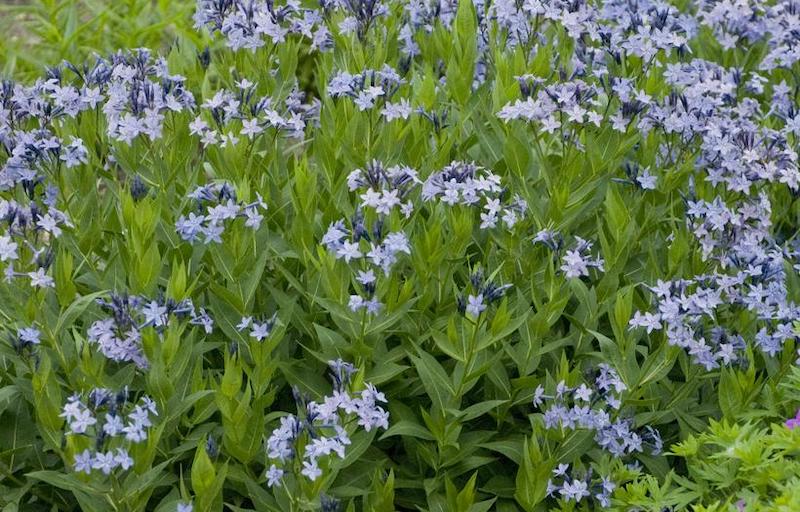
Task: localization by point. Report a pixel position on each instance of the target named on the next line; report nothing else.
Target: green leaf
(87, 495)
(435, 380)
(407, 428)
(203, 472)
(75, 310)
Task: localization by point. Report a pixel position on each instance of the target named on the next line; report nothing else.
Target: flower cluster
(641, 28)
(484, 294)
(29, 218)
(742, 149)
(215, 203)
(44, 101)
(386, 189)
(780, 26)
(572, 486)
(27, 337)
(423, 15)
(37, 150)
(738, 22)
(749, 275)
(139, 91)
(33, 226)
(367, 87)
(324, 428)
(464, 183)
(592, 407)
(382, 254)
(252, 23)
(737, 151)
(645, 28)
(556, 107)
(111, 419)
(359, 14)
(690, 311)
(602, 33)
(577, 261)
(119, 337)
(256, 115)
(399, 110)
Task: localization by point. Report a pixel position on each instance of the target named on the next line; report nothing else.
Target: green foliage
(463, 433)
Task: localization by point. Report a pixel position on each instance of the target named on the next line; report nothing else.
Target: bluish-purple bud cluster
(484, 293)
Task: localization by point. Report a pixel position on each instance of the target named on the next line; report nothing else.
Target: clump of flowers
(685, 307)
(423, 15)
(139, 91)
(592, 407)
(748, 275)
(27, 119)
(324, 428)
(30, 228)
(26, 338)
(368, 241)
(465, 183)
(253, 23)
(119, 337)
(113, 422)
(574, 486)
(398, 110)
(29, 218)
(367, 87)
(738, 23)
(359, 14)
(385, 188)
(382, 254)
(734, 229)
(216, 203)
(560, 107)
(577, 261)
(256, 114)
(484, 294)
(645, 28)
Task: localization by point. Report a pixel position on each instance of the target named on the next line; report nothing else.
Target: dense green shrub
(364, 255)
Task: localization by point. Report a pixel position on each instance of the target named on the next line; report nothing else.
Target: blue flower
(84, 462)
(475, 305)
(29, 335)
